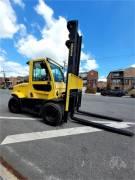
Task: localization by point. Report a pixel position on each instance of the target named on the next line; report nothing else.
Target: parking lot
(71, 151)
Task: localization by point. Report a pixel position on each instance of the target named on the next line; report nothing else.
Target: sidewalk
(97, 94)
(7, 172)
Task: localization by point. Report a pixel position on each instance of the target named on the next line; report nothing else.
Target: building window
(133, 82)
(116, 74)
(126, 81)
(116, 81)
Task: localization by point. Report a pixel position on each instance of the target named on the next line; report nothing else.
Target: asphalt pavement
(71, 151)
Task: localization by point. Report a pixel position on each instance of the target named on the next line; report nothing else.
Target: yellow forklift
(48, 95)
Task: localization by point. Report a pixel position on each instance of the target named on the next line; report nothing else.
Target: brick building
(12, 81)
(92, 79)
(121, 79)
(1, 80)
(101, 85)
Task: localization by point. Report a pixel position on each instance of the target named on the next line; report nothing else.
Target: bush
(91, 90)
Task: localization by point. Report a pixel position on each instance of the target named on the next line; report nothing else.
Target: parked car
(113, 92)
(131, 93)
(104, 92)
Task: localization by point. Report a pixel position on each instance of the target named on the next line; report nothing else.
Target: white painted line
(61, 132)
(47, 134)
(14, 117)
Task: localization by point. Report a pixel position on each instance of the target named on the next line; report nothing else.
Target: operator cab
(41, 70)
(46, 78)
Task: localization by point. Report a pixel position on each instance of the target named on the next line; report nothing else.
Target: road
(39, 151)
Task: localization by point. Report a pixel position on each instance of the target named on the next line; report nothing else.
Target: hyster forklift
(49, 96)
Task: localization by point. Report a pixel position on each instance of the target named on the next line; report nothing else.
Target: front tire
(52, 114)
(14, 105)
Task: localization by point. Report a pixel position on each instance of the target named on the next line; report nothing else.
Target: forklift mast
(74, 92)
(74, 46)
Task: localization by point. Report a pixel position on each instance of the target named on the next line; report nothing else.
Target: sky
(37, 28)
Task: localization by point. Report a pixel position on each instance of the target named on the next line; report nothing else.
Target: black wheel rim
(52, 114)
(14, 105)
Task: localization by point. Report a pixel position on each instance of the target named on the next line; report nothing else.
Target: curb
(8, 172)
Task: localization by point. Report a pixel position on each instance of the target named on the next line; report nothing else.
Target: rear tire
(52, 114)
(14, 105)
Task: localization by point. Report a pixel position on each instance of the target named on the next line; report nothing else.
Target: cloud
(1, 61)
(52, 41)
(8, 20)
(2, 52)
(36, 26)
(102, 78)
(19, 3)
(133, 65)
(46, 12)
(11, 68)
(84, 56)
(2, 57)
(54, 34)
(22, 30)
(87, 62)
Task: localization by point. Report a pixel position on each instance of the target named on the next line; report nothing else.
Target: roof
(121, 70)
(48, 59)
(129, 68)
(93, 70)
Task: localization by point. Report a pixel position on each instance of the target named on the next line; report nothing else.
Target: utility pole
(65, 65)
